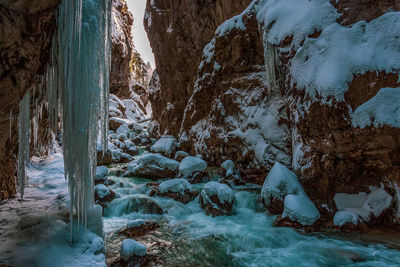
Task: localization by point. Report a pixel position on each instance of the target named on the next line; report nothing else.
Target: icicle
(77, 92)
(11, 121)
(272, 66)
(23, 140)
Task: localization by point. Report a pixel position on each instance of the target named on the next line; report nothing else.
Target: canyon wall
(178, 32)
(26, 29)
(274, 84)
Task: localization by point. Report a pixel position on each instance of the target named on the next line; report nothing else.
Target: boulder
(166, 146)
(178, 189)
(279, 183)
(102, 194)
(301, 209)
(216, 199)
(152, 166)
(131, 249)
(101, 175)
(180, 155)
(193, 169)
(138, 228)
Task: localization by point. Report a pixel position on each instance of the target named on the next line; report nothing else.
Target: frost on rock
(176, 186)
(301, 209)
(131, 248)
(382, 109)
(152, 166)
(343, 217)
(191, 165)
(166, 145)
(363, 205)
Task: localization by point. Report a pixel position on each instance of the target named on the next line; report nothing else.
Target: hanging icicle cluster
(81, 77)
(77, 92)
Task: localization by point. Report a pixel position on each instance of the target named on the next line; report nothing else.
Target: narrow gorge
(264, 133)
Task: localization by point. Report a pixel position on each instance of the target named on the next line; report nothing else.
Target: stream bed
(188, 237)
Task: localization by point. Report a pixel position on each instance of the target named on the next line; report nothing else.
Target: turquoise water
(247, 238)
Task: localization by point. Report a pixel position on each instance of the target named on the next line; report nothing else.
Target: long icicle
(23, 140)
(78, 81)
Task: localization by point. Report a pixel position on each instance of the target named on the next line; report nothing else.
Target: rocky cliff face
(305, 91)
(178, 32)
(122, 48)
(26, 28)
(26, 31)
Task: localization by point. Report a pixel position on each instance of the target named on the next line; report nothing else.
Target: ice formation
(77, 82)
(23, 140)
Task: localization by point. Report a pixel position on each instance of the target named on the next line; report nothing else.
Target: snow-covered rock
(101, 191)
(378, 201)
(301, 209)
(363, 205)
(346, 201)
(282, 192)
(216, 199)
(176, 186)
(152, 166)
(131, 148)
(135, 223)
(229, 167)
(193, 169)
(166, 146)
(343, 217)
(280, 182)
(131, 248)
(123, 129)
(102, 194)
(180, 155)
(178, 189)
(101, 175)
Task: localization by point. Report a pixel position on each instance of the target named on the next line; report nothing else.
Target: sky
(142, 44)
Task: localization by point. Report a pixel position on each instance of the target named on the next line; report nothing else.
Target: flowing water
(247, 238)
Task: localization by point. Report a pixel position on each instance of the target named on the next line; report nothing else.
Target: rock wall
(178, 32)
(26, 28)
(122, 48)
(243, 96)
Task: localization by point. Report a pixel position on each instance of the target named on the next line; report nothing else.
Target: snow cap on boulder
(152, 166)
(190, 165)
(166, 145)
(131, 248)
(176, 186)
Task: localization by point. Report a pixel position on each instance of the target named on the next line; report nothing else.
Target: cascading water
(77, 84)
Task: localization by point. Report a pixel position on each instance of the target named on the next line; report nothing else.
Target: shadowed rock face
(203, 103)
(178, 32)
(122, 48)
(26, 29)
